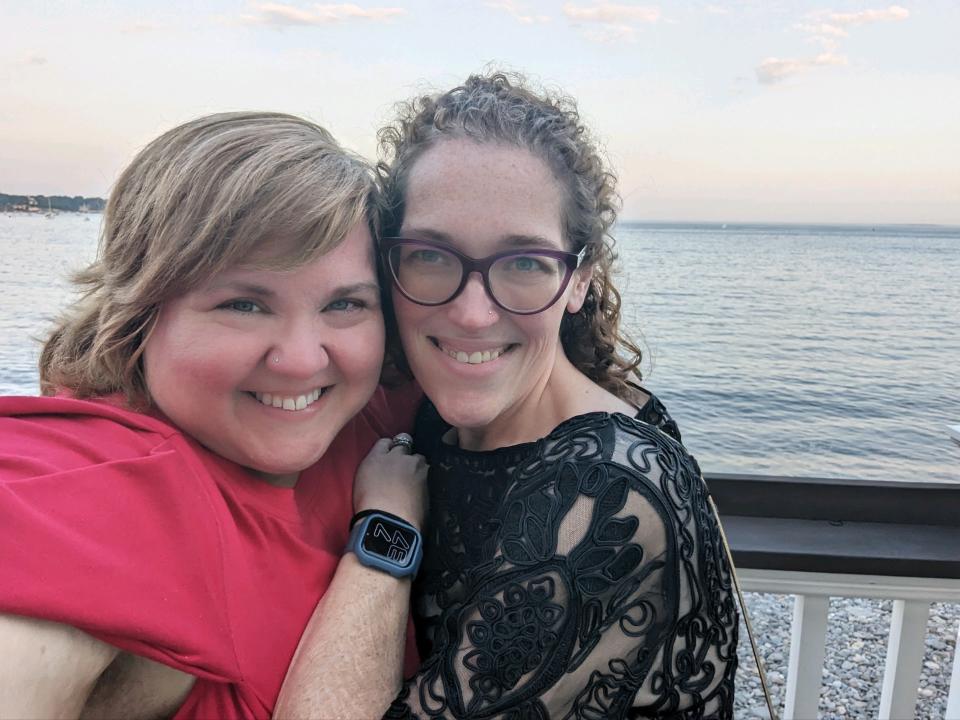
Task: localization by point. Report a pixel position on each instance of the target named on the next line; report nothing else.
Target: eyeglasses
(523, 282)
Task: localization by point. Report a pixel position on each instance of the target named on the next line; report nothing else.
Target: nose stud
(276, 359)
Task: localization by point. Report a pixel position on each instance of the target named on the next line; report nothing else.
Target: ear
(580, 283)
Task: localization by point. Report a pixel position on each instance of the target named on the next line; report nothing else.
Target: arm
(350, 658)
(47, 670)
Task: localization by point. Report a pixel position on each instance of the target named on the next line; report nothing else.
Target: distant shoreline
(11, 211)
(40, 204)
(794, 227)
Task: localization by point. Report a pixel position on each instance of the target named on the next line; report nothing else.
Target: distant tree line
(43, 203)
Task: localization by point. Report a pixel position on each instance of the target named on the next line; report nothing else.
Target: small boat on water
(954, 431)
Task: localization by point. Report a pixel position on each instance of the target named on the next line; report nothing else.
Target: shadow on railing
(818, 538)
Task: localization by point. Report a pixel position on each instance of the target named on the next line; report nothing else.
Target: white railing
(911, 604)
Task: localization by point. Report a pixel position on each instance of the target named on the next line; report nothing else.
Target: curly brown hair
(200, 198)
(504, 107)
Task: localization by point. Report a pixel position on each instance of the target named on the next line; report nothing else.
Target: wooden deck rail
(818, 538)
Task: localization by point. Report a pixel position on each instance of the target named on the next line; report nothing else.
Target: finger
(403, 440)
(382, 445)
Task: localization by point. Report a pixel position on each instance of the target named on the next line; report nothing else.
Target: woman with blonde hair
(572, 567)
(177, 502)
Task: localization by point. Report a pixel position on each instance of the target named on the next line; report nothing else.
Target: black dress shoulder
(578, 576)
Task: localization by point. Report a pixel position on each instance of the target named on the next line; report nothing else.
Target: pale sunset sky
(843, 112)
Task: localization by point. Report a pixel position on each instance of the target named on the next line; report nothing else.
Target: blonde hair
(200, 198)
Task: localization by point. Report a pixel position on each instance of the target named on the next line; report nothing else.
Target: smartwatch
(385, 542)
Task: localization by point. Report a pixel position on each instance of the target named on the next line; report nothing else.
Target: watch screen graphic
(388, 541)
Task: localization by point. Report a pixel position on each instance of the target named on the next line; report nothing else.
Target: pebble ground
(857, 631)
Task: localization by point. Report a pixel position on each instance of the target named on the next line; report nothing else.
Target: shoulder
(41, 435)
(655, 413)
(615, 440)
(631, 467)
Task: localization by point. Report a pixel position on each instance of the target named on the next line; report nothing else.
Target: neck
(288, 480)
(565, 393)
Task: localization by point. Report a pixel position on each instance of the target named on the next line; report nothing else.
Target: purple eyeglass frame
(482, 265)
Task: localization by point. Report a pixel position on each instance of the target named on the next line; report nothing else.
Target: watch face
(389, 540)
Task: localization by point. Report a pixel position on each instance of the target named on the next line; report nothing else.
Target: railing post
(953, 699)
(908, 632)
(807, 642)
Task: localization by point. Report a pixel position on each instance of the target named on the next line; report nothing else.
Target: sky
(749, 111)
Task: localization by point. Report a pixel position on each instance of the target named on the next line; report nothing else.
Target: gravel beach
(856, 649)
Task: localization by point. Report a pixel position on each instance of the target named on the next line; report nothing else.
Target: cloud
(829, 29)
(609, 13)
(510, 7)
(822, 28)
(774, 70)
(894, 12)
(826, 26)
(280, 15)
(611, 23)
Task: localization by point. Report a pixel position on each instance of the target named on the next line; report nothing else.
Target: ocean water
(826, 351)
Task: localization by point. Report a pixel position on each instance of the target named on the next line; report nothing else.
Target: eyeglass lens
(524, 282)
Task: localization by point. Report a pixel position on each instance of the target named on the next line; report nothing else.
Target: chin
(288, 463)
(464, 411)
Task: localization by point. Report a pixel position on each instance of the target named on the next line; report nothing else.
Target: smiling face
(489, 372)
(211, 369)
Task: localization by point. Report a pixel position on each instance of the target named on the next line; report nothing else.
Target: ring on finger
(402, 440)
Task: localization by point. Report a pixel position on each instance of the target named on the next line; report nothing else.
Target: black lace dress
(579, 576)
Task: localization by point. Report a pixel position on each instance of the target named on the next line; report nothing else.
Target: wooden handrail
(827, 525)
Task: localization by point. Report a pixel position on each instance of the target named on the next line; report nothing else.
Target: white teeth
(477, 357)
(294, 402)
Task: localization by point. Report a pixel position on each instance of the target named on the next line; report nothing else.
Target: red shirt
(116, 523)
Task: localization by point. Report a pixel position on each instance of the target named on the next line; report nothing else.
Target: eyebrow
(357, 288)
(246, 288)
(509, 241)
(243, 288)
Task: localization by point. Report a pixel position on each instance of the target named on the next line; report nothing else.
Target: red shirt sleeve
(106, 528)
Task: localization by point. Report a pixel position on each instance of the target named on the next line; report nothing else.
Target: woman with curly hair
(572, 567)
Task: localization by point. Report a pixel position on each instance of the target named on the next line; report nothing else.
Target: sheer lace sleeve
(574, 577)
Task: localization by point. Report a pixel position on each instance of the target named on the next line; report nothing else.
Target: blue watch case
(387, 543)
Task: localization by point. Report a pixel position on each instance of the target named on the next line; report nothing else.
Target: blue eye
(346, 305)
(427, 256)
(529, 264)
(242, 306)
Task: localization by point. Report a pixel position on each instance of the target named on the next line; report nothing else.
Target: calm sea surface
(789, 350)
